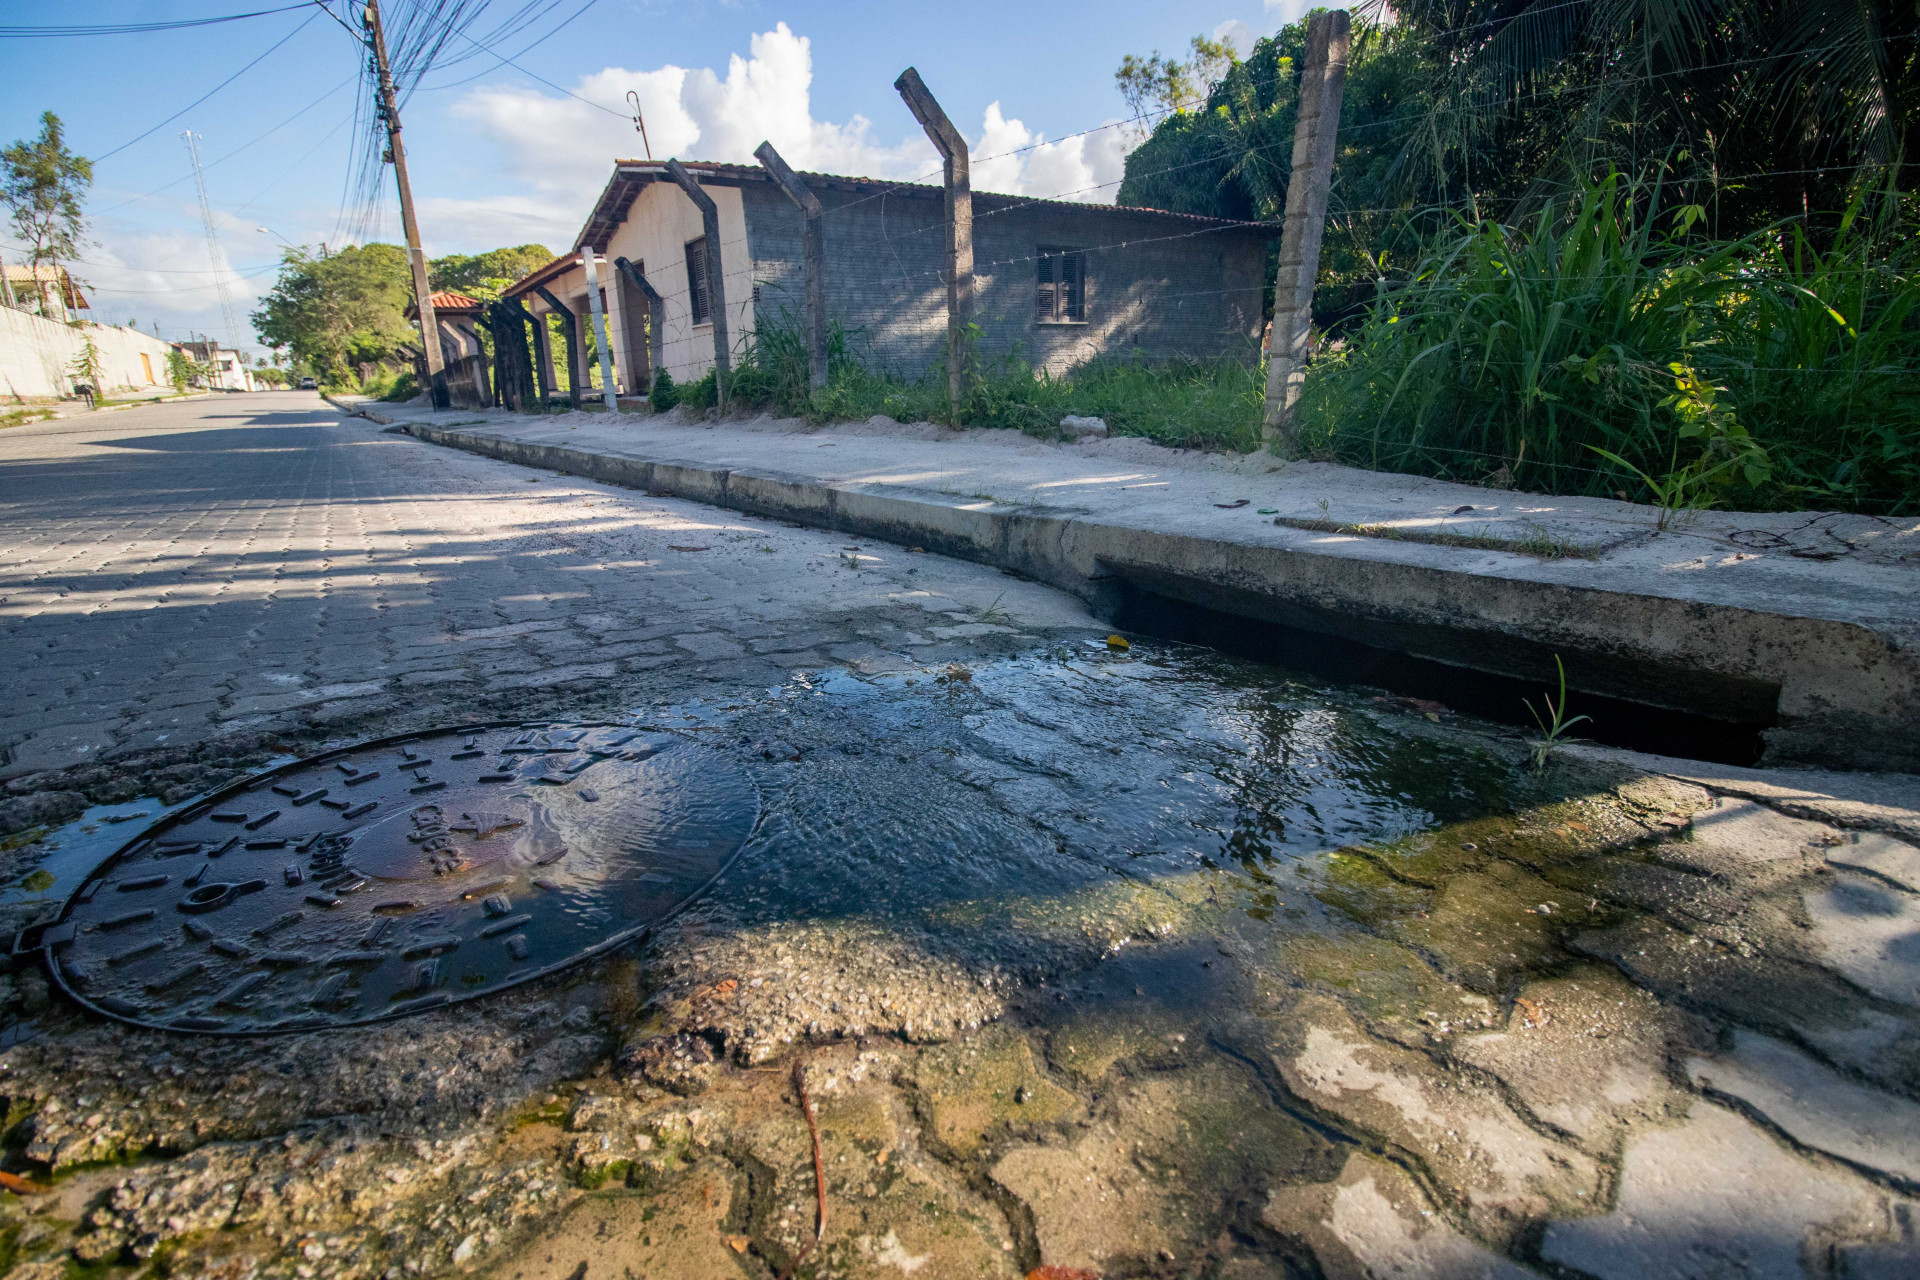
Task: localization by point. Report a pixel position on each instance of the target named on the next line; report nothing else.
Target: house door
(147, 365)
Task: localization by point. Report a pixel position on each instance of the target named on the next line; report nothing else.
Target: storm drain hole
(1615, 722)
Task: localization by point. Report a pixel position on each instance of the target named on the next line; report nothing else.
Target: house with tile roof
(1057, 283)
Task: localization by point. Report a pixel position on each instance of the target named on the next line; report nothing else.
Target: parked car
(308, 384)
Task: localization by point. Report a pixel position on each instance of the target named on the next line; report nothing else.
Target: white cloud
(164, 274)
(1238, 34)
(1282, 12)
(1011, 157)
(564, 148)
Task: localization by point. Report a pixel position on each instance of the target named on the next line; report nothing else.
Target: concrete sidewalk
(1805, 622)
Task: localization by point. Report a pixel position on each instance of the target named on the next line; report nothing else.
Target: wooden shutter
(697, 295)
(1073, 302)
(1046, 303)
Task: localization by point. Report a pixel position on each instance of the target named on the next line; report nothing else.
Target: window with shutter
(1061, 275)
(701, 303)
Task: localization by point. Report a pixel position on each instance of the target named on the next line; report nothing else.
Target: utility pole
(1322, 85)
(959, 187)
(389, 108)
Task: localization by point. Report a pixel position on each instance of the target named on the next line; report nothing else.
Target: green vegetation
(1663, 251)
(1184, 404)
(181, 371)
(41, 184)
(343, 315)
(485, 276)
(1589, 352)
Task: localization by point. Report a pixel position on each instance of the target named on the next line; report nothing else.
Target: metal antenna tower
(214, 254)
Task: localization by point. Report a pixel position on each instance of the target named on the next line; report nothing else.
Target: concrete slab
(1802, 620)
(1716, 1197)
(1815, 1106)
(1374, 1222)
(1871, 933)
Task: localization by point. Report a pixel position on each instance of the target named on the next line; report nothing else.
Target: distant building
(227, 370)
(44, 289)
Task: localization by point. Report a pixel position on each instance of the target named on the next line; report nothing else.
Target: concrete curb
(357, 410)
(1839, 692)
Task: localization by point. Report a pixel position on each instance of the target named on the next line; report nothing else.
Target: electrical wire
(209, 93)
(137, 28)
(259, 137)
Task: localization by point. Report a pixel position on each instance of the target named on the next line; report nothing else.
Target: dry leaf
(738, 1243)
(1119, 643)
(20, 1186)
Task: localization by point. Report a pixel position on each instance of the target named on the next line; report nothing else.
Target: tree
(1757, 109)
(1166, 85)
(485, 276)
(1231, 155)
(42, 183)
(180, 370)
(340, 312)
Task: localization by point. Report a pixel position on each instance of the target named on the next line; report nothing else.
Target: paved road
(199, 579)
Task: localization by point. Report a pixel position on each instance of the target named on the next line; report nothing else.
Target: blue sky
(503, 158)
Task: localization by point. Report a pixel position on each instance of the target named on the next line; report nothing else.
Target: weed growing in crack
(1555, 726)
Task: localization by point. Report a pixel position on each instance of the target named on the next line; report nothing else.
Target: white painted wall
(655, 235)
(37, 355)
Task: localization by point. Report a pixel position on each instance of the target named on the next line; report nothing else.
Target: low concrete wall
(1840, 692)
(37, 355)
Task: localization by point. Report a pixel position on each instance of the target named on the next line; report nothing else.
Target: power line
(137, 28)
(209, 93)
(259, 137)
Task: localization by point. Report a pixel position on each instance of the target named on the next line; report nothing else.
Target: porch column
(577, 383)
(656, 314)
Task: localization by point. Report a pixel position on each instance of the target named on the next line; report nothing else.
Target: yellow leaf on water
(1119, 643)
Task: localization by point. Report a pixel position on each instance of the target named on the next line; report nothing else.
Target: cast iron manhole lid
(399, 875)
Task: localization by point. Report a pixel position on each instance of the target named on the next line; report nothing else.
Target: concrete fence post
(599, 310)
(813, 249)
(716, 280)
(656, 316)
(1322, 85)
(959, 207)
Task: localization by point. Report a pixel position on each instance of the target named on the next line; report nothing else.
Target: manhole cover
(399, 875)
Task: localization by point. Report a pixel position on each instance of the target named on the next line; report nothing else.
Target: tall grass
(1591, 351)
(1198, 404)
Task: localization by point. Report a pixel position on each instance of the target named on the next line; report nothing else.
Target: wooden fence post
(656, 316)
(959, 203)
(716, 279)
(813, 250)
(576, 349)
(599, 310)
(1322, 85)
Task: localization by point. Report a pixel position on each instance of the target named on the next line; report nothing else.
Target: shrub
(665, 394)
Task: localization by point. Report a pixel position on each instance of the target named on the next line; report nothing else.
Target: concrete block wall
(37, 355)
(1155, 285)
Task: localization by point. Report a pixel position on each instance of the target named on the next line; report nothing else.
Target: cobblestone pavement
(1143, 962)
(182, 584)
